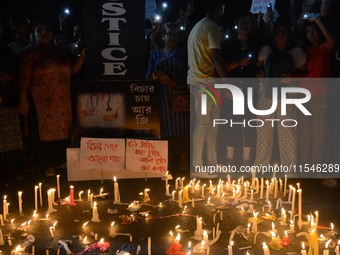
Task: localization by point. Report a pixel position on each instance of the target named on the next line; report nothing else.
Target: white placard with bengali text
(102, 154)
(261, 5)
(147, 155)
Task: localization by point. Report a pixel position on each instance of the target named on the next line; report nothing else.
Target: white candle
(230, 248)
(285, 186)
(47, 252)
(290, 193)
(265, 249)
(58, 251)
(261, 188)
(293, 201)
(149, 245)
(58, 186)
(203, 186)
(254, 228)
(182, 183)
(40, 193)
(79, 195)
(113, 229)
(116, 192)
(33, 250)
(91, 200)
(36, 198)
(180, 199)
(193, 203)
(267, 191)
(88, 195)
(326, 251)
(303, 251)
(337, 248)
(176, 183)
(276, 188)
(95, 216)
(300, 208)
(1, 220)
(281, 185)
(20, 201)
(52, 232)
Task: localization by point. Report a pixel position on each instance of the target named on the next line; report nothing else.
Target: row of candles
(183, 194)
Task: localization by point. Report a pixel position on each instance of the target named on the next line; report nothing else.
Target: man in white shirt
(205, 63)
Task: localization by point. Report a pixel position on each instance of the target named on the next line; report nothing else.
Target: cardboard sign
(102, 154)
(146, 155)
(258, 6)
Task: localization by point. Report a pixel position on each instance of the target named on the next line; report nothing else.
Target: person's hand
(164, 78)
(23, 106)
(243, 62)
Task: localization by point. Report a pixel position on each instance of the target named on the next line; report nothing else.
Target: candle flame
(29, 222)
(47, 215)
(264, 244)
(327, 243)
(94, 204)
(112, 223)
(202, 243)
(71, 187)
(248, 225)
(114, 179)
(101, 240)
(178, 237)
(23, 224)
(273, 234)
(248, 253)
(286, 234)
(5, 197)
(12, 221)
(81, 192)
(303, 245)
(55, 223)
(332, 226)
(18, 248)
(189, 244)
(85, 239)
(88, 192)
(19, 193)
(84, 225)
(273, 225)
(231, 243)
(339, 242)
(101, 191)
(170, 233)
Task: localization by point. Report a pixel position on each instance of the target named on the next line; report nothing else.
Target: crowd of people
(36, 102)
(35, 98)
(283, 46)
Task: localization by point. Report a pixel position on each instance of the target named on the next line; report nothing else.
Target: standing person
(240, 55)
(44, 82)
(279, 59)
(313, 129)
(169, 65)
(205, 62)
(11, 145)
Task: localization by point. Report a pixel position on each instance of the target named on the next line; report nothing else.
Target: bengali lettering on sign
(102, 154)
(146, 155)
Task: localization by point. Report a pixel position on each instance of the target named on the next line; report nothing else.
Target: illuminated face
(43, 35)
(171, 37)
(281, 34)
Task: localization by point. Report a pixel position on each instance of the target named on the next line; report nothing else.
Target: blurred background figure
(22, 35)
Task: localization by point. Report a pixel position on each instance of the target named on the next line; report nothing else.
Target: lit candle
(20, 201)
(173, 195)
(58, 186)
(265, 249)
(293, 201)
(95, 216)
(230, 248)
(291, 227)
(199, 230)
(290, 193)
(176, 183)
(281, 185)
(167, 190)
(193, 203)
(300, 208)
(4, 207)
(40, 193)
(36, 198)
(273, 228)
(275, 243)
(50, 201)
(313, 243)
(261, 188)
(180, 199)
(326, 251)
(116, 192)
(146, 195)
(52, 232)
(72, 203)
(113, 230)
(91, 200)
(182, 182)
(285, 240)
(303, 251)
(149, 245)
